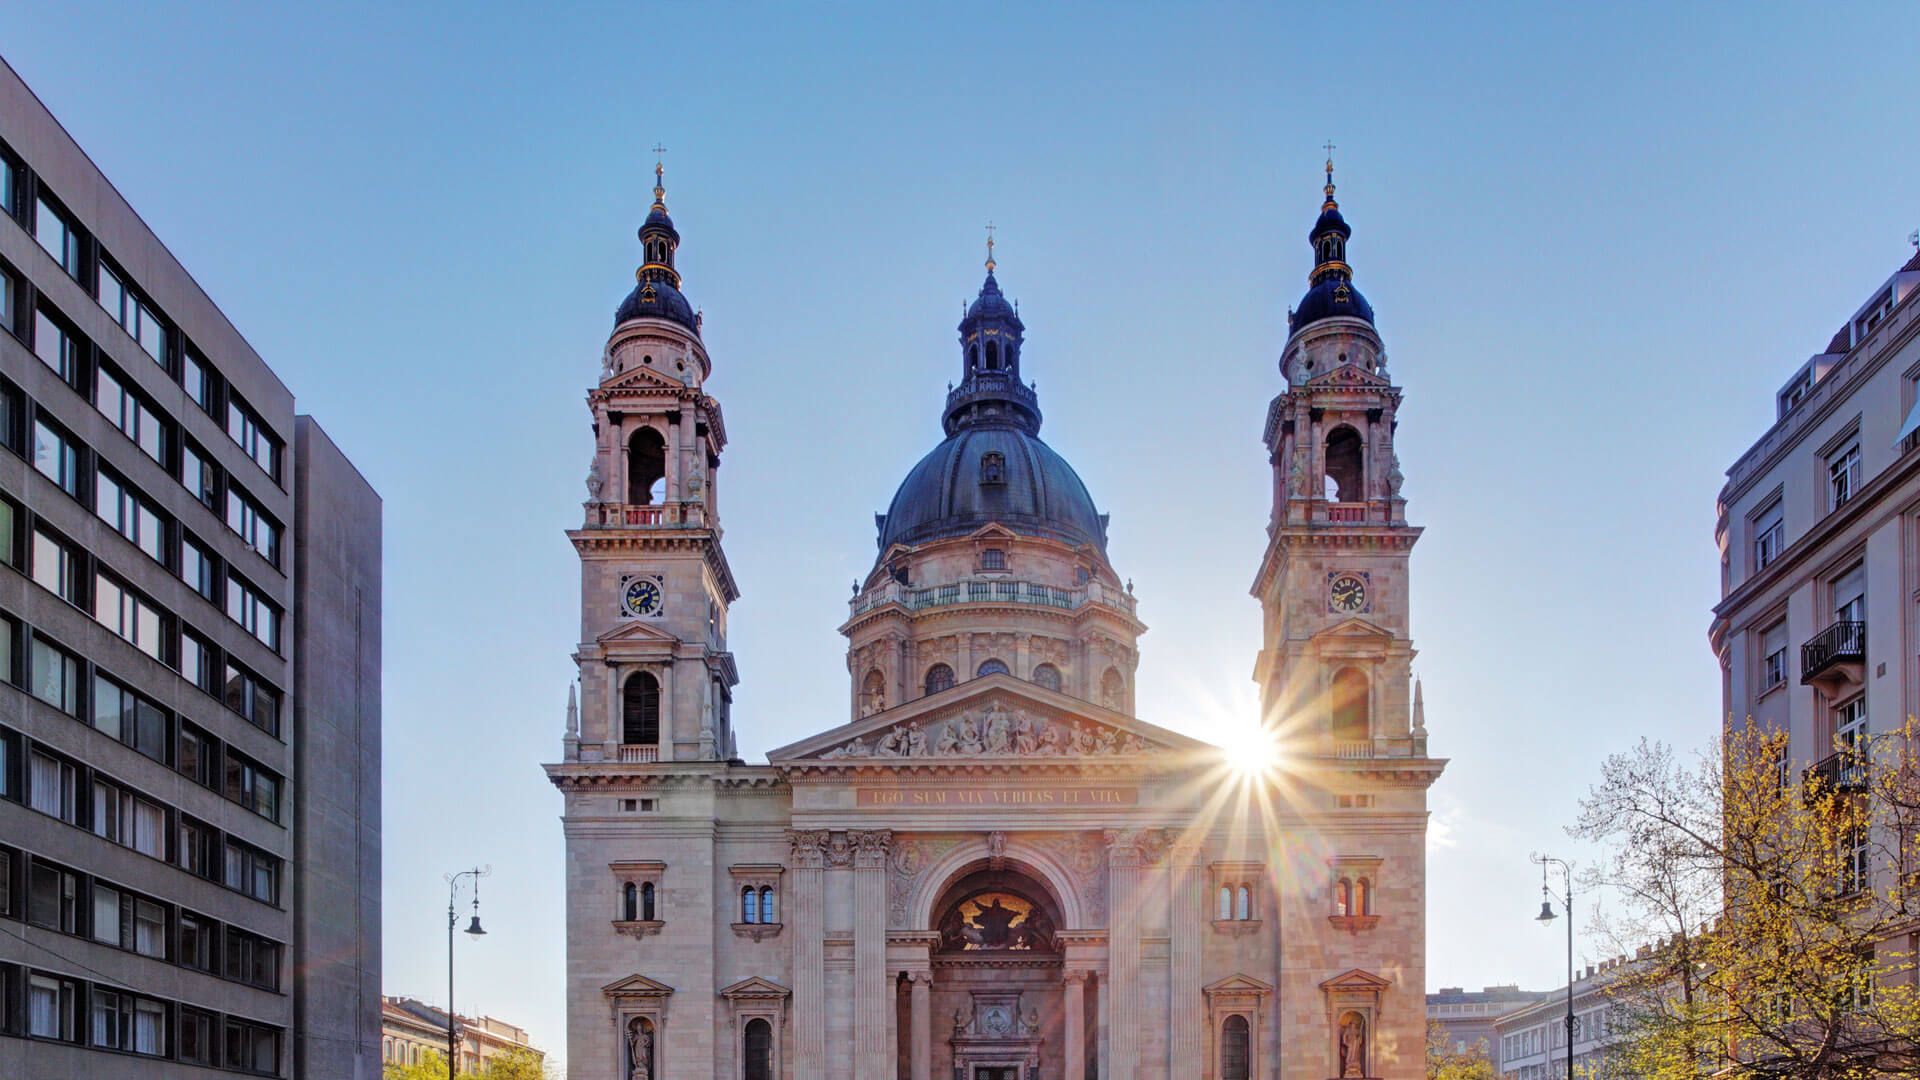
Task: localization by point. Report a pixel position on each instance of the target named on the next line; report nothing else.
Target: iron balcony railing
(1841, 643)
(992, 591)
(1842, 772)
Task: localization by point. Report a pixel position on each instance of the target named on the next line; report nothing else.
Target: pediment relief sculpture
(994, 731)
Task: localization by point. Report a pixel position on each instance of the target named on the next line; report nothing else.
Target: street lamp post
(1546, 916)
(473, 928)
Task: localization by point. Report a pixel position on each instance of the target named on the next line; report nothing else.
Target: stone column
(1021, 647)
(966, 659)
(807, 911)
(611, 744)
(668, 713)
(1123, 964)
(1188, 904)
(1073, 998)
(672, 462)
(903, 685)
(921, 1032)
(870, 997)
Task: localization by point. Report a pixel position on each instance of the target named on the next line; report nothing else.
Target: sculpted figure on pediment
(996, 731)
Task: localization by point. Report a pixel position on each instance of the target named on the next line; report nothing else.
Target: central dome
(997, 474)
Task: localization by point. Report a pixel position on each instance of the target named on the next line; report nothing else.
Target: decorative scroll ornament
(993, 732)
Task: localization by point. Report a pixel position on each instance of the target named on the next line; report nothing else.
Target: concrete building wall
(337, 578)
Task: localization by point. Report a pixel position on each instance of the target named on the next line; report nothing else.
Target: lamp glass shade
(474, 927)
(1546, 912)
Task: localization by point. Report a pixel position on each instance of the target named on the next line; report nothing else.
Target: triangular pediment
(642, 379)
(1355, 979)
(637, 632)
(992, 718)
(1353, 630)
(1238, 984)
(755, 987)
(1348, 374)
(637, 986)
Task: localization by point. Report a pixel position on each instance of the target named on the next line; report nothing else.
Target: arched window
(630, 902)
(640, 710)
(1244, 910)
(1362, 897)
(1113, 690)
(873, 693)
(1047, 675)
(1226, 903)
(939, 677)
(646, 467)
(1349, 707)
(646, 902)
(993, 356)
(992, 667)
(975, 353)
(749, 905)
(993, 467)
(767, 912)
(1346, 465)
(1343, 898)
(1236, 1049)
(758, 1049)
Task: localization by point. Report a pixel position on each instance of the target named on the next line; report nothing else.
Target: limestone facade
(994, 870)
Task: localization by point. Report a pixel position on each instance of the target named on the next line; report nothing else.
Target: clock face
(1347, 593)
(641, 597)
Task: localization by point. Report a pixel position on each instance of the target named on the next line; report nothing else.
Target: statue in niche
(596, 480)
(639, 1050)
(1394, 478)
(1353, 1046)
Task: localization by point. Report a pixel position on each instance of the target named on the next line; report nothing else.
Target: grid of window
(72, 1010)
(245, 518)
(130, 515)
(130, 615)
(127, 716)
(124, 818)
(252, 786)
(253, 611)
(134, 417)
(252, 436)
(132, 313)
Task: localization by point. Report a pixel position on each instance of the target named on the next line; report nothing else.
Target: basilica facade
(994, 870)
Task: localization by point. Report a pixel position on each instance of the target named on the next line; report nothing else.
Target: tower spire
(660, 172)
(1329, 204)
(990, 263)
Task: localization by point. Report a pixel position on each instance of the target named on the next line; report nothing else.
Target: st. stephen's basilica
(993, 870)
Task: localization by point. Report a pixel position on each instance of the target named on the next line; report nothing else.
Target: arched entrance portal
(997, 999)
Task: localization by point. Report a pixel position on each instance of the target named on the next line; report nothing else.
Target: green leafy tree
(514, 1065)
(431, 1066)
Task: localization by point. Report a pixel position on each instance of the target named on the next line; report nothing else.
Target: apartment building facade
(412, 1031)
(1818, 528)
(1468, 1016)
(189, 666)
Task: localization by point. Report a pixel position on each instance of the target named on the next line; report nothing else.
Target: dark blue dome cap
(656, 299)
(657, 291)
(986, 475)
(990, 306)
(1331, 297)
(1330, 290)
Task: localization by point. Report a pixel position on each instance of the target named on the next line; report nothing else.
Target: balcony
(614, 515)
(992, 591)
(635, 754)
(1844, 772)
(1347, 513)
(1836, 657)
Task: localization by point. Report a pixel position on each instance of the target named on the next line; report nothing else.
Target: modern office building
(1818, 523)
(1529, 1042)
(190, 653)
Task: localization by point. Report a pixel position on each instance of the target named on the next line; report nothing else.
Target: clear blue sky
(1596, 243)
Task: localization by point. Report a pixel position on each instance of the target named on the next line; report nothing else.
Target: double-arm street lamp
(473, 928)
(1545, 917)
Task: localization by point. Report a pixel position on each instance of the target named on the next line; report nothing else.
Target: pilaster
(1188, 902)
(871, 1002)
(1124, 862)
(807, 860)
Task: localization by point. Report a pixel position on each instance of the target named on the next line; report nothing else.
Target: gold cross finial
(1329, 189)
(989, 247)
(659, 172)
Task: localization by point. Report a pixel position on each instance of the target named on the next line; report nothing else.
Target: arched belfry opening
(1348, 701)
(997, 972)
(646, 467)
(1346, 465)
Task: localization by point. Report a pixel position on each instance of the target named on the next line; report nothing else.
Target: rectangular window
(261, 532)
(9, 298)
(57, 457)
(196, 942)
(55, 676)
(253, 1047)
(50, 787)
(9, 526)
(54, 899)
(197, 475)
(252, 959)
(149, 928)
(198, 849)
(127, 613)
(106, 913)
(133, 314)
(50, 1001)
(252, 871)
(253, 611)
(1843, 475)
(134, 417)
(193, 755)
(56, 566)
(253, 787)
(130, 515)
(121, 817)
(198, 662)
(1850, 596)
(253, 699)
(58, 236)
(197, 566)
(251, 435)
(196, 380)
(56, 346)
(1769, 534)
(195, 1042)
(1773, 656)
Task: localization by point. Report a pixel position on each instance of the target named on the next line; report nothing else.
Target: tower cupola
(656, 293)
(990, 390)
(1330, 291)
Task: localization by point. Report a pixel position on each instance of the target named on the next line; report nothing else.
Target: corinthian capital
(870, 847)
(808, 848)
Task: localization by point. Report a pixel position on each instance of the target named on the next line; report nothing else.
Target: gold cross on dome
(989, 247)
(1329, 157)
(659, 162)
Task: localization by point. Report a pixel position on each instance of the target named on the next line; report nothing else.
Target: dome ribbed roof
(658, 299)
(947, 495)
(1331, 296)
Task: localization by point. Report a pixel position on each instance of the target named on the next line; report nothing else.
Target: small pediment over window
(637, 987)
(755, 988)
(1356, 980)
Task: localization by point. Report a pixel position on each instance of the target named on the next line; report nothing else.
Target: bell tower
(1337, 653)
(656, 678)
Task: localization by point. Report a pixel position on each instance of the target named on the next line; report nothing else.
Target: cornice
(1139, 766)
(609, 775)
(667, 539)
